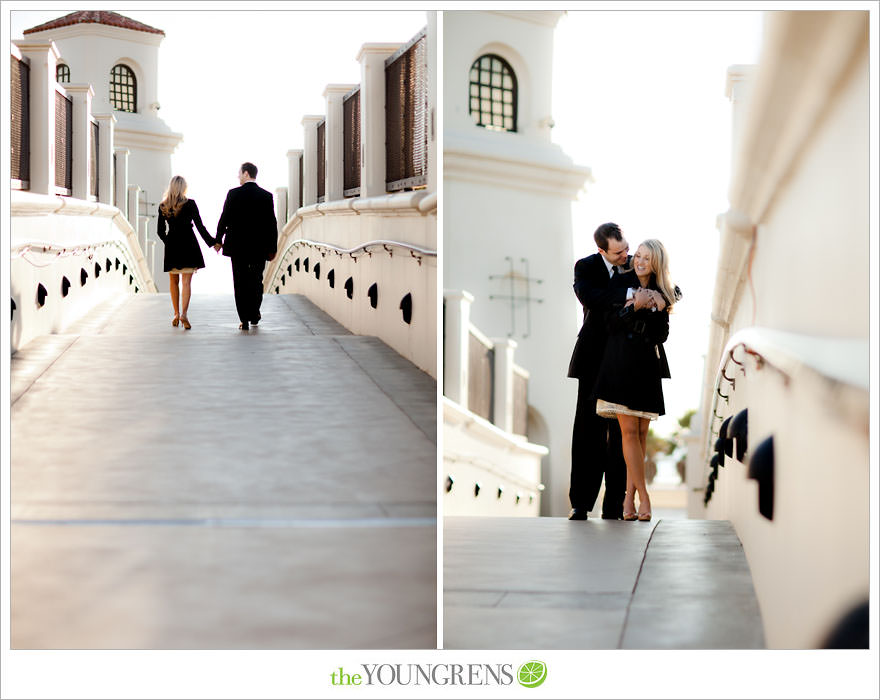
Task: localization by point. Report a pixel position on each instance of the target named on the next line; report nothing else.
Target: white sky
(639, 98)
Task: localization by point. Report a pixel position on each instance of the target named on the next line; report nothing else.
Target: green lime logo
(532, 673)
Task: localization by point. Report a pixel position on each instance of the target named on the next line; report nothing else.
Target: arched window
(123, 88)
(62, 73)
(493, 93)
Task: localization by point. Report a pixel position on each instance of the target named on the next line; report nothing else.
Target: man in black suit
(248, 233)
(595, 446)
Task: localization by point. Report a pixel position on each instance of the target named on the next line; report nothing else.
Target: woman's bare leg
(187, 292)
(634, 457)
(175, 293)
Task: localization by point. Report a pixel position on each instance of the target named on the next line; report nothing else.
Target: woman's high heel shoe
(645, 517)
(185, 322)
(175, 321)
(629, 515)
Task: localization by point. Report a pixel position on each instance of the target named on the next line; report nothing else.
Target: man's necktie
(614, 271)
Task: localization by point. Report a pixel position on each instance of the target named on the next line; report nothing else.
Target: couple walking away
(247, 233)
(618, 361)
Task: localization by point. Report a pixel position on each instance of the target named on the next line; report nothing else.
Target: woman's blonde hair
(660, 263)
(174, 197)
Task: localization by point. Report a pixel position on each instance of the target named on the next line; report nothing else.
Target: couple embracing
(619, 362)
(247, 233)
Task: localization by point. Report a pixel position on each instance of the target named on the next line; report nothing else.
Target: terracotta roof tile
(112, 19)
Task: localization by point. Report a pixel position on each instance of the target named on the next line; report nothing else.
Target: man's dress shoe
(243, 326)
(578, 514)
(255, 321)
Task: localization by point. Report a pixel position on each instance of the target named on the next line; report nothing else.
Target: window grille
(322, 154)
(406, 115)
(20, 121)
(351, 136)
(123, 89)
(62, 73)
(63, 142)
(93, 158)
(492, 99)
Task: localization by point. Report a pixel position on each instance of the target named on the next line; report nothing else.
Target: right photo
(655, 398)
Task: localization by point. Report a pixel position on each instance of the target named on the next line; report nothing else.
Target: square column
(455, 348)
(503, 394)
(106, 184)
(333, 136)
(294, 159)
(120, 186)
(42, 57)
(280, 207)
(372, 59)
(132, 207)
(310, 159)
(82, 138)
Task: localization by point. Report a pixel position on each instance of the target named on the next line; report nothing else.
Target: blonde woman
(177, 214)
(628, 387)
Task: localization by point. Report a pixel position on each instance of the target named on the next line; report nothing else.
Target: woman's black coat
(181, 247)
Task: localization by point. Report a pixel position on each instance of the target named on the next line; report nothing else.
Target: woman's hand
(657, 300)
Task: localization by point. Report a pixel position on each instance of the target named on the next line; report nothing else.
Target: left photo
(223, 284)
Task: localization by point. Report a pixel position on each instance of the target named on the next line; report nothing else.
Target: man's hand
(217, 247)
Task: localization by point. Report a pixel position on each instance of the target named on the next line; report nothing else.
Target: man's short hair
(606, 231)
(250, 169)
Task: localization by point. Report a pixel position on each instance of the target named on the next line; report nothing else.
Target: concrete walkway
(550, 583)
(212, 488)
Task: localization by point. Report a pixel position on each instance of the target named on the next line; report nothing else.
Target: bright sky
(639, 98)
(237, 84)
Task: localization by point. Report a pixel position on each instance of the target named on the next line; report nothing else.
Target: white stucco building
(507, 212)
(119, 58)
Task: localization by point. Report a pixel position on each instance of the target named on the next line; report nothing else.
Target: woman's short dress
(182, 252)
(633, 364)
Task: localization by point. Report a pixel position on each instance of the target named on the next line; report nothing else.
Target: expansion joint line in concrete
(46, 369)
(632, 595)
(381, 388)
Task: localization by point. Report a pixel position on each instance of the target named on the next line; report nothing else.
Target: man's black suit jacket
(247, 228)
(592, 285)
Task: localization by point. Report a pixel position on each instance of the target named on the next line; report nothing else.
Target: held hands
(217, 247)
(648, 299)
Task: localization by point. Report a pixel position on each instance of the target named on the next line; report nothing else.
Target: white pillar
(42, 57)
(503, 395)
(372, 59)
(120, 193)
(281, 207)
(106, 185)
(455, 348)
(132, 209)
(151, 258)
(333, 141)
(310, 159)
(144, 237)
(431, 38)
(81, 97)
(293, 160)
